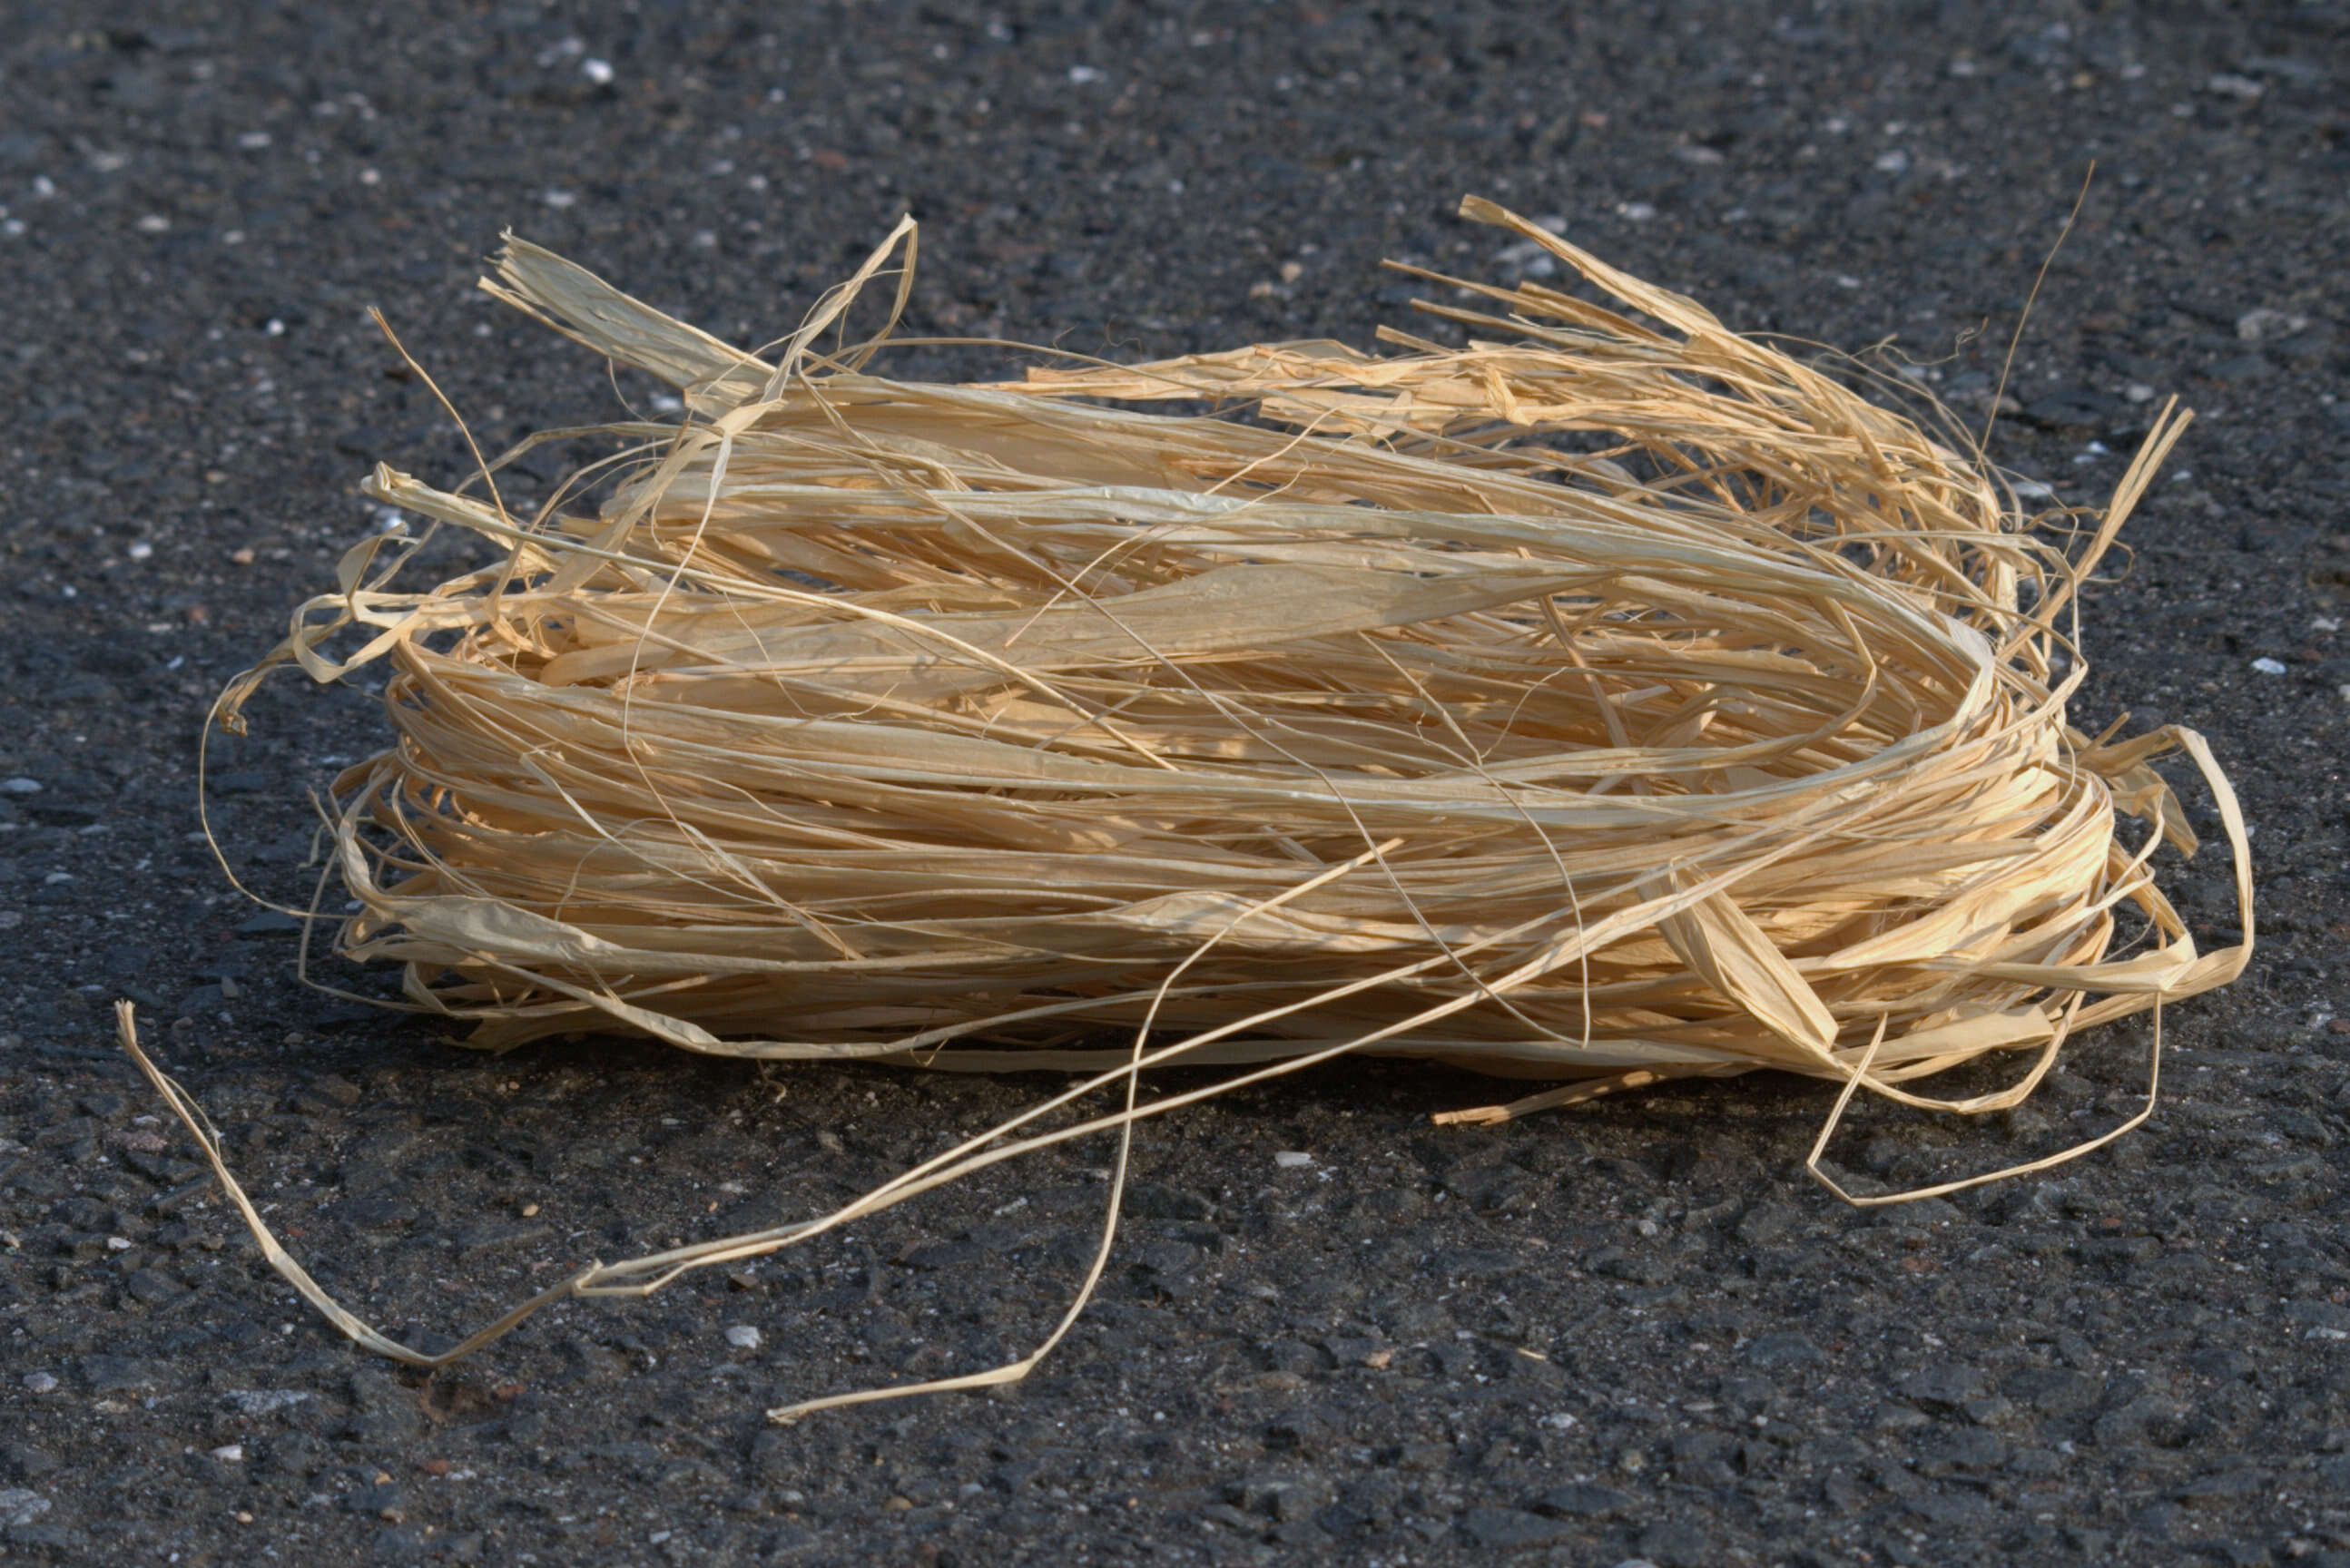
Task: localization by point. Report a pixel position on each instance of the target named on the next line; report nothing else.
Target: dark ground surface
(1630, 1332)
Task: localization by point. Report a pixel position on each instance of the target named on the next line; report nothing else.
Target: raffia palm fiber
(1612, 699)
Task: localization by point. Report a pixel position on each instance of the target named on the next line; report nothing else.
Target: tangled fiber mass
(1612, 699)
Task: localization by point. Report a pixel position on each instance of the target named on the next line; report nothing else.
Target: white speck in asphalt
(18, 1506)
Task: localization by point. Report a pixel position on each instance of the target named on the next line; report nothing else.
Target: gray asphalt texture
(1631, 1331)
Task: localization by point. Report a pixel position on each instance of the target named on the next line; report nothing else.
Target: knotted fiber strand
(1613, 698)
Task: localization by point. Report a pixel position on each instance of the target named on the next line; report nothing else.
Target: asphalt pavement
(1331, 1332)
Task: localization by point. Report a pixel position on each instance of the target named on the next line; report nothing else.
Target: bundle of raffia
(1610, 699)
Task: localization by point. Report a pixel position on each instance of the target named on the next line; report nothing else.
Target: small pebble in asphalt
(230, 1453)
(743, 1336)
(264, 1401)
(1292, 1159)
(20, 786)
(41, 1381)
(2269, 666)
